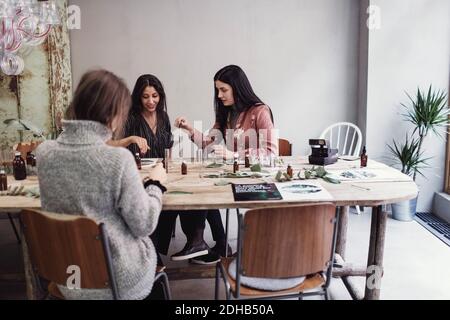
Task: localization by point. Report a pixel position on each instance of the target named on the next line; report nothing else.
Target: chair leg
(167, 293)
(227, 224)
(325, 295)
(14, 228)
(216, 289)
(162, 277)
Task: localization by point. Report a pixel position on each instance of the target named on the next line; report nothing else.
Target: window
(447, 165)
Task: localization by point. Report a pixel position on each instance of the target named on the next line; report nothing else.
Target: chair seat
(311, 282)
(55, 293)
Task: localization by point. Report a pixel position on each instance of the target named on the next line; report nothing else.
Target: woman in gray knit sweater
(80, 174)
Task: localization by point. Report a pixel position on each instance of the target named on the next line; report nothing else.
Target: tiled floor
(416, 263)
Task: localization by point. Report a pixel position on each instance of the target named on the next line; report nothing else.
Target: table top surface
(384, 185)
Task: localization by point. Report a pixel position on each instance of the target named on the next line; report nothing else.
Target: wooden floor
(12, 280)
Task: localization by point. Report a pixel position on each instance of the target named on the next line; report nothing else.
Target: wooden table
(203, 194)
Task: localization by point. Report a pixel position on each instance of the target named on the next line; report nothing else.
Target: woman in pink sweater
(246, 126)
(243, 121)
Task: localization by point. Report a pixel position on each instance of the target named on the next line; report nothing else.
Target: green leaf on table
(282, 176)
(214, 165)
(331, 180)
(211, 175)
(179, 192)
(221, 183)
(256, 167)
(321, 172)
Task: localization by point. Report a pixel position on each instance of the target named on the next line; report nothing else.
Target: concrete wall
(44, 88)
(301, 56)
(410, 50)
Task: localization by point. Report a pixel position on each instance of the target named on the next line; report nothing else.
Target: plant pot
(405, 210)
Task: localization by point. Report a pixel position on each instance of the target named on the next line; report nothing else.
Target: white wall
(410, 50)
(301, 56)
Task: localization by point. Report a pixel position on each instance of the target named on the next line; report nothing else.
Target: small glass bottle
(289, 171)
(19, 167)
(137, 157)
(247, 161)
(236, 163)
(364, 158)
(29, 158)
(184, 168)
(3, 181)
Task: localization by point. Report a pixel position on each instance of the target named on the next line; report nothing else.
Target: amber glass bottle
(247, 161)
(289, 171)
(19, 167)
(364, 158)
(3, 181)
(183, 168)
(137, 157)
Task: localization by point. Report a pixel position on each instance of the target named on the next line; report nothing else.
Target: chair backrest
(284, 148)
(57, 241)
(344, 136)
(288, 241)
(25, 147)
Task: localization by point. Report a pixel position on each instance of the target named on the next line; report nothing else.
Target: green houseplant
(428, 113)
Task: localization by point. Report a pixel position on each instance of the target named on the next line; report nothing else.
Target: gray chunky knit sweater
(79, 174)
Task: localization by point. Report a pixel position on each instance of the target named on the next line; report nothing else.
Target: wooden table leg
(376, 252)
(30, 278)
(341, 239)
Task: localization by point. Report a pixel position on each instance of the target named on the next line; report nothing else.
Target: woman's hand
(222, 151)
(181, 122)
(141, 142)
(157, 173)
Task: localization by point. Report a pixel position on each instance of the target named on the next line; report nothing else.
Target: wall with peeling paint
(44, 88)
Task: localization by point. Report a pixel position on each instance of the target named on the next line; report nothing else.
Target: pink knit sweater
(254, 133)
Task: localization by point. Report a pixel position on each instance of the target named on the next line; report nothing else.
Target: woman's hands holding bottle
(181, 122)
(141, 143)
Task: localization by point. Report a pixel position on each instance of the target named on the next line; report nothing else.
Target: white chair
(344, 136)
(347, 138)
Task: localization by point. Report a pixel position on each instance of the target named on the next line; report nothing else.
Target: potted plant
(428, 113)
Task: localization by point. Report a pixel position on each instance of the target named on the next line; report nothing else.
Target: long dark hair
(100, 96)
(144, 81)
(243, 94)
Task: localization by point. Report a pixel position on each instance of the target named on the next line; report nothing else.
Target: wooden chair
(283, 242)
(57, 241)
(284, 148)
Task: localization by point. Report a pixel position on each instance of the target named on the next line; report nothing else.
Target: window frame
(447, 165)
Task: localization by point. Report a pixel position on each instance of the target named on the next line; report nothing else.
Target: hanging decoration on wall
(23, 24)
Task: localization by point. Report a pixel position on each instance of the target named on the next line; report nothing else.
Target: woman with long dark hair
(240, 113)
(147, 130)
(148, 120)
